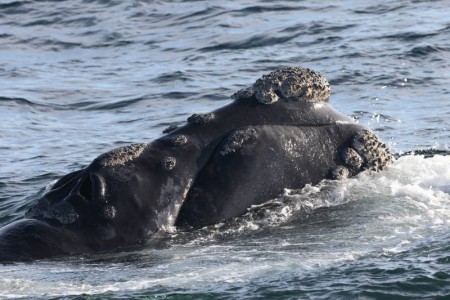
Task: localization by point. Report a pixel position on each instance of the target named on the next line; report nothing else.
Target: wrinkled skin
(211, 169)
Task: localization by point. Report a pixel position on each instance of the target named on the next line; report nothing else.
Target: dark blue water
(78, 78)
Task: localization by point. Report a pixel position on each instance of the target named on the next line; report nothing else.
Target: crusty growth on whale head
(293, 84)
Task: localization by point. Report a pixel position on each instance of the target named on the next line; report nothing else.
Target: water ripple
(19, 101)
(380, 9)
(252, 42)
(13, 4)
(409, 36)
(423, 51)
(81, 77)
(170, 77)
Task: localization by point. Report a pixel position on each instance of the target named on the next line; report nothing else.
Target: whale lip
(31, 239)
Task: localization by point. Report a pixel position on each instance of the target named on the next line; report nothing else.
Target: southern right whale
(279, 133)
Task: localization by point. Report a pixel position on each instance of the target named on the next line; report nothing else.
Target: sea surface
(78, 78)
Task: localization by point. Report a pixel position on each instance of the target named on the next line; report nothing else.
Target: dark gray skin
(292, 155)
(211, 169)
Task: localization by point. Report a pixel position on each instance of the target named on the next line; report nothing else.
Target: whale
(280, 132)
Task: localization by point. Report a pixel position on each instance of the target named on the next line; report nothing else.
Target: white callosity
(179, 140)
(367, 152)
(200, 118)
(121, 155)
(62, 211)
(168, 162)
(352, 159)
(293, 84)
(237, 139)
(340, 172)
(372, 150)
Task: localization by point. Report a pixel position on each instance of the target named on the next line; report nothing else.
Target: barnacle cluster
(292, 84)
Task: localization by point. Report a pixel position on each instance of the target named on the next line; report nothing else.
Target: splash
(331, 228)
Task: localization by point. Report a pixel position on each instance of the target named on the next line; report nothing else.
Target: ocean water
(78, 78)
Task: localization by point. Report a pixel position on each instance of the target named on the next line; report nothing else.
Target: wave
(252, 42)
(423, 51)
(171, 77)
(280, 37)
(13, 4)
(380, 9)
(77, 22)
(116, 105)
(19, 101)
(248, 12)
(409, 36)
(416, 187)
